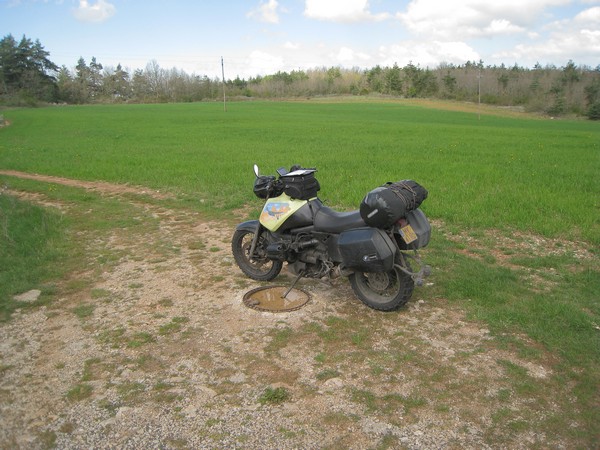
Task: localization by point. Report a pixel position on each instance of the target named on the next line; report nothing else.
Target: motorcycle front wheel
(258, 267)
(384, 291)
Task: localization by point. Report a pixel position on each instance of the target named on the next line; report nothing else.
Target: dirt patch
(503, 245)
(105, 188)
(533, 257)
(159, 351)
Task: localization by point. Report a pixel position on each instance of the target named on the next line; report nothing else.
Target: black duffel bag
(383, 206)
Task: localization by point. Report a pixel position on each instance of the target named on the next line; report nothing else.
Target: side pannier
(420, 226)
(367, 250)
(383, 206)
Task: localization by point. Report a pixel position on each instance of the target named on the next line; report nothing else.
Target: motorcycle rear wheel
(383, 291)
(258, 267)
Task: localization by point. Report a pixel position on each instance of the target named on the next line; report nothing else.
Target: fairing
(278, 209)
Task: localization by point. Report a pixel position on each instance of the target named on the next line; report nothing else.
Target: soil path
(100, 186)
(152, 347)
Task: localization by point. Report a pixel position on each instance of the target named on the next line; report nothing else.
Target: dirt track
(169, 357)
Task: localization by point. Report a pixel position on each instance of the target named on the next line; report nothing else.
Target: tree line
(29, 77)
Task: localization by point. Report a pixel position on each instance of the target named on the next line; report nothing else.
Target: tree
(333, 73)
(156, 81)
(592, 95)
(450, 84)
(427, 84)
(374, 79)
(95, 77)
(411, 76)
(81, 91)
(558, 107)
(421, 83)
(503, 81)
(115, 84)
(393, 80)
(571, 74)
(26, 72)
(139, 86)
(66, 85)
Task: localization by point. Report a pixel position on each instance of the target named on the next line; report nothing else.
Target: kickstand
(293, 284)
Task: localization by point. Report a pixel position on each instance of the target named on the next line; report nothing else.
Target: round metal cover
(270, 298)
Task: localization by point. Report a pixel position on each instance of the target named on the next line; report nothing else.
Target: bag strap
(400, 188)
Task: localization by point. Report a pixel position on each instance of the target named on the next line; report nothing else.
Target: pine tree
(26, 73)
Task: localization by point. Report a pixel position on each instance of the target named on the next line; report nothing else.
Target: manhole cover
(270, 298)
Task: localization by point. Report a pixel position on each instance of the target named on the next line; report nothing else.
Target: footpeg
(421, 274)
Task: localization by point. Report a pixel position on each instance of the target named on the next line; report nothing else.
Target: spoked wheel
(258, 267)
(384, 291)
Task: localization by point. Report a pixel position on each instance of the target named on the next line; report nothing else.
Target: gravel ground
(166, 355)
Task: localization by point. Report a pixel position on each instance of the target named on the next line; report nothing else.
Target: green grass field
(510, 173)
(514, 199)
(31, 243)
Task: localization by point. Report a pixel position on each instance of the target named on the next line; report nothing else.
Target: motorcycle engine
(313, 262)
(304, 254)
(277, 251)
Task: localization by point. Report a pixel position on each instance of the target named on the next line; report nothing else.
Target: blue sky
(258, 37)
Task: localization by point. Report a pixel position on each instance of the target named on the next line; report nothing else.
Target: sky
(247, 38)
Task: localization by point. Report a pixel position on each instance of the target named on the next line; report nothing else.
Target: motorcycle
(376, 247)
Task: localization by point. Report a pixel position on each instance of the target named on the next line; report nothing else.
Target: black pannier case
(301, 187)
(383, 206)
(420, 225)
(367, 250)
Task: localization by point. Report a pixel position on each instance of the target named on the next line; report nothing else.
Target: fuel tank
(283, 213)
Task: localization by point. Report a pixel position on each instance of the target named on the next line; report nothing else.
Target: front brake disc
(379, 281)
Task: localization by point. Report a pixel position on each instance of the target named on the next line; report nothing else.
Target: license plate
(408, 234)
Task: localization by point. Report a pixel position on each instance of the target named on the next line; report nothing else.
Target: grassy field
(515, 202)
(31, 243)
(503, 172)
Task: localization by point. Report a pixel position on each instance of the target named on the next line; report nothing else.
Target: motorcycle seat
(330, 221)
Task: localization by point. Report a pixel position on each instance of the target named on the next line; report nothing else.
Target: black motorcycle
(376, 247)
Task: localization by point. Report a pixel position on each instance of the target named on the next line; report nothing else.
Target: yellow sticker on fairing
(277, 210)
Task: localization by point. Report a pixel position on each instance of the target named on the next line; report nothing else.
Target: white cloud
(427, 53)
(266, 12)
(591, 15)
(582, 46)
(98, 12)
(341, 11)
(262, 63)
(347, 57)
(501, 26)
(588, 17)
(291, 46)
(576, 39)
(460, 19)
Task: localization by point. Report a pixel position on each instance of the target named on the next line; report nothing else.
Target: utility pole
(479, 95)
(223, 74)
(480, 65)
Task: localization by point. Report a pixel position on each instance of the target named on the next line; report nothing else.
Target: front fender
(250, 225)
